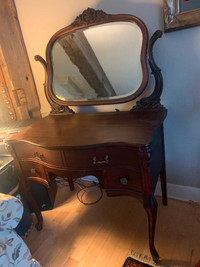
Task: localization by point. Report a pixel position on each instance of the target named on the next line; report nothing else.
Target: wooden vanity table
(123, 149)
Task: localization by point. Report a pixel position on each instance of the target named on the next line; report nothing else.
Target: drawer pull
(33, 170)
(95, 161)
(37, 156)
(124, 181)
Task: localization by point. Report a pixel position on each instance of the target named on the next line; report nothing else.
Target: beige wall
(39, 20)
(177, 53)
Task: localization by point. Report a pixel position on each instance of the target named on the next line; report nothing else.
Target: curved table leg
(163, 184)
(150, 206)
(33, 205)
(163, 178)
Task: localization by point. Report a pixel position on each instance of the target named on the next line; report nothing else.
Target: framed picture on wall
(181, 14)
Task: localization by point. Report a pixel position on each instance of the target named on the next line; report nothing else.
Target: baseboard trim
(180, 192)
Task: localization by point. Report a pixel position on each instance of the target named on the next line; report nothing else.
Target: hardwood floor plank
(102, 235)
(71, 263)
(194, 232)
(128, 229)
(168, 220)
(75, 235)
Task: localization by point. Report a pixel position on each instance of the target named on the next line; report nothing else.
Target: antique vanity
(99, 59)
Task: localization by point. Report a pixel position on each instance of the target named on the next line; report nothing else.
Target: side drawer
(28, 151)
(102, 157)
(32, 169)
(123, 179)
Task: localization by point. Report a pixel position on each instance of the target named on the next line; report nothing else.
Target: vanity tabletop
(89, 129)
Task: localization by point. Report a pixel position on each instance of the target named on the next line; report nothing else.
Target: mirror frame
(88, 18)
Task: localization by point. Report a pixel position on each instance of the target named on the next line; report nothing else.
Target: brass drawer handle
(124, 181)
(95, 161)
(38, 156)
(34, 171)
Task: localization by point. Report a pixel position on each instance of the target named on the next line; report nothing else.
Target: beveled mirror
(98, 59)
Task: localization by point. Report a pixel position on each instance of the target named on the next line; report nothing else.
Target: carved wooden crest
(89, 16)
(58, 109)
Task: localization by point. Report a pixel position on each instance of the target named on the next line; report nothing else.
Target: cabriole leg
(163, 178)
(33, 205)
(163, 181)
(150, 206)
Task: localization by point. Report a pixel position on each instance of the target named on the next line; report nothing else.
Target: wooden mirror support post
(124, 149)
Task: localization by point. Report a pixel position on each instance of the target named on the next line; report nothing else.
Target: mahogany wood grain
(124, 150)
(87, 129)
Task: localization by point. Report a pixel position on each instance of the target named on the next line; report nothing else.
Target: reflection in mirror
(99, 62)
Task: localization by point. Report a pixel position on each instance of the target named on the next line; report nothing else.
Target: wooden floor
(102, 235)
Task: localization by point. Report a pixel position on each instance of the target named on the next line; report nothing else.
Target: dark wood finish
(163, 177)
(89, 18)
(152, 101)
(55, 108)
(124, 150)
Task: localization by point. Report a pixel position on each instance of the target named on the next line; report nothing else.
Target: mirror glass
(98, 62)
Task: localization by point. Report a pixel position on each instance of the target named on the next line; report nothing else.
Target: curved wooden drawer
(123, 179)
(27, 151)
(102, 157)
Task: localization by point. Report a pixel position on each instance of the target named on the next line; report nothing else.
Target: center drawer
(28, 151)
(102, 157)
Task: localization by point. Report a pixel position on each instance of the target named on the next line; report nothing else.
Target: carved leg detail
(163, 178)
(71, 184)
(33, 206)
(163, 181)
(150, 206)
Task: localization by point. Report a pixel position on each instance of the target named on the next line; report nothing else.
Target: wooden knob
(33, 170)
(124, 181)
